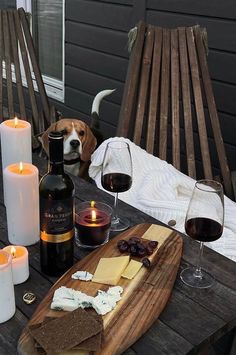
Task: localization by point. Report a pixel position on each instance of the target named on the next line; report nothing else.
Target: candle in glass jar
(7, 295)
(15, 142)
(22, 203)
(92, 222)
(20, 263)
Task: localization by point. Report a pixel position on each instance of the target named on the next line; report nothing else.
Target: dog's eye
(81, 133)
(64, 132)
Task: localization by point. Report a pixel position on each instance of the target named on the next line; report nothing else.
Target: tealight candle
(15, 142)
(20, 263)
(7, 295)
(92, 222)
(22, 203)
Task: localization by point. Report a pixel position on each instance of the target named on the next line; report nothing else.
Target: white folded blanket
(163, 192)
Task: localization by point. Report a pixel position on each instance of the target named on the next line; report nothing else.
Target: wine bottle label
(56, 220)
(56, 238)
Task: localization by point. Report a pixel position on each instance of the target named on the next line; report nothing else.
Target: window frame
(55, 88)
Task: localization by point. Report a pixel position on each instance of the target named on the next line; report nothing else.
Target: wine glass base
(119, 224)
(189, 278)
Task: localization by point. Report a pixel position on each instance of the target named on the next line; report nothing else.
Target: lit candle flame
(13, 251)
(92, 204)
(21, 167)
(93, 215)
(15, 121)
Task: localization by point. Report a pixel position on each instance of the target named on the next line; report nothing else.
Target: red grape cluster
(135, 246)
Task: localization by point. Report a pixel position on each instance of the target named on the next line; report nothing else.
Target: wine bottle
(56, 191)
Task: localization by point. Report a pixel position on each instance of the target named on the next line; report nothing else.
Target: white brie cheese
(82, 275)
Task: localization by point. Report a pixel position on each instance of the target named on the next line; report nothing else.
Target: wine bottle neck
(56, 168)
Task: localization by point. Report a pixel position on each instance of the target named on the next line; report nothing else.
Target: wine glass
(117, 177)
(204, 222)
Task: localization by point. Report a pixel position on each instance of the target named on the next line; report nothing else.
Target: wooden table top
(192, 318)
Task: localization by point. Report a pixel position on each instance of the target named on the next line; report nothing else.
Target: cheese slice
(109, 270)
(132, 269)
(157, 233)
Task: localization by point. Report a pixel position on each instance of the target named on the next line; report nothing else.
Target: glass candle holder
(92, 224)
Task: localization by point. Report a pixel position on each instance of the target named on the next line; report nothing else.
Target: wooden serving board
(143, 299)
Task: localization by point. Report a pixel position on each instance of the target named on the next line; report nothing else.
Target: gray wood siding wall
(96, 52)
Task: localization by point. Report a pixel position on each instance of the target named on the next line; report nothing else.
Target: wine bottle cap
(56, 147)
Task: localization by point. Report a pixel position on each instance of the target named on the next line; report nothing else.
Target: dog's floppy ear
(44, 137)
(89, 145)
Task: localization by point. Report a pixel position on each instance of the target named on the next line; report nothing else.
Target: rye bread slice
(66, 332)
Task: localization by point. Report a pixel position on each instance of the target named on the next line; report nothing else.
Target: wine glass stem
(115, 215)
(198, 271)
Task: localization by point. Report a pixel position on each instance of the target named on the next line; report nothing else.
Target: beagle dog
(80, 140)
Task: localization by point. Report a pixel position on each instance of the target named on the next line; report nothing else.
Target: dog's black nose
(74, 143)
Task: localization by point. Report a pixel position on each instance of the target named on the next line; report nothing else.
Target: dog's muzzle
(75, 143)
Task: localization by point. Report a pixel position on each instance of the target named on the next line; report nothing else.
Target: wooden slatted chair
(168, 105)
(18, 62)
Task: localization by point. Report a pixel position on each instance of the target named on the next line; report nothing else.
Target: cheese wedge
(132, 269)
(109, 270)
(157, 233)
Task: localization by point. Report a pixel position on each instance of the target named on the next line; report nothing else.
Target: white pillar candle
(15, 142)
(20, 263)
(7, 295)
(22, 203)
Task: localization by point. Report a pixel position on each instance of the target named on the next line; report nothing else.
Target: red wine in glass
(116, 182)
(203, 229)
(204, 223)
(117, 176)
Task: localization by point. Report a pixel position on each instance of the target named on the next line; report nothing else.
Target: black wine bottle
(56, 191)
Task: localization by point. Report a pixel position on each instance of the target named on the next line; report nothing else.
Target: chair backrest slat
(131, 87)
(7, 51)
(200, 35)
(175, 84)
(15, 52)
(1, 61)
(25, 59)
(152, 124)
(193, 63)
(144, 84)
(186, 99)
(32, 54)
(164, 102)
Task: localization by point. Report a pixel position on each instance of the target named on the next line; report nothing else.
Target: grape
(120, 242)
(123, 247)
(134, 239)
(146, 262)
(149, 250)
(141, 251)
(153, 244)
(133, 250)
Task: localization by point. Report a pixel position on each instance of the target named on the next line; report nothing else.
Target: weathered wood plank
(152, 126)
(131, 85)
(198, 329)
(26, 63)
(196, 85)
(10, 333)
(185, 87)
(144, 84)
(175, 85)
(165, 87)
(7, 52)
(15, 51)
